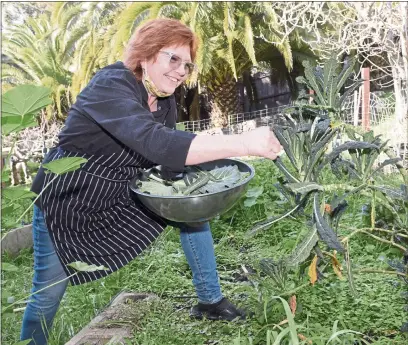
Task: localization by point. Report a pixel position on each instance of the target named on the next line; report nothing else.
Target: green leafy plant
(329, 82)
(305, 140)
(20, 107)
(309, 140)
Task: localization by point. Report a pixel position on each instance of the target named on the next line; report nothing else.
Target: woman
(124, 120)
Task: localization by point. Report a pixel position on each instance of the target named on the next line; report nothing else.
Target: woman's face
(167, 71)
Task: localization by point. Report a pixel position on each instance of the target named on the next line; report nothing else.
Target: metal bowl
(196, 208)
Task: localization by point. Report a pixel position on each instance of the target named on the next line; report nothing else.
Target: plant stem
(34, 293)
(29, 207)
(373, 210)
(19, 309)
(333, 187)
(364, 230)
(381, 230)
(384, 240)
(369, 270)
(355, 231)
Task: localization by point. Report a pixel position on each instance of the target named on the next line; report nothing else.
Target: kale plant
(309, 139)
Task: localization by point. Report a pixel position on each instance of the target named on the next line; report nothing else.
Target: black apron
(91, 215)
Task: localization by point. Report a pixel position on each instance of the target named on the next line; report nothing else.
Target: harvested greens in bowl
(193, 181)
(197, 195)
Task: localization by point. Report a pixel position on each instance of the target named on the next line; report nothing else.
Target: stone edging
(94, 334)
(16, 240)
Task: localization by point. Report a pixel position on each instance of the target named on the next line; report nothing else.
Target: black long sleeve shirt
(112, 111)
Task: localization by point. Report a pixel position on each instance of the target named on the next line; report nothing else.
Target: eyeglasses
(175, 62)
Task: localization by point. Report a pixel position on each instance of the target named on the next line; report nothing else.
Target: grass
(377, 310)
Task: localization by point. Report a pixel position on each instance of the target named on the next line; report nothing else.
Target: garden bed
(377, 309)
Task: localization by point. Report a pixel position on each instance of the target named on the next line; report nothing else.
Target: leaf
(252, 195)
(84, 267)
(23, 342)
(277, 270)
(254, 192)
(336, 213)
(17, 193)
(5, 266)
(227, 177)
(326, 233)
(343, 331)
(321, 128)
(193, 183)
(228, 174)
(292, 304)
(312, 82)
(304, 187)
(249, 202)
(11, 124)
(391, 192)
(64, 165)
(345, 73)
(278, 162)
(278, 131)
(268, 222)
(156, 188)
(350, 145)
(24, 99)
(291, 323)
(303, 249)
(337, 268)
(392, 161)
(351, 132)
(312, 272)
(323, 141)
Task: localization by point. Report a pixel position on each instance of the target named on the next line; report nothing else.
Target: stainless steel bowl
(196, 208)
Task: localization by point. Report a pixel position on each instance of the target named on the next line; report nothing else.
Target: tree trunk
(225, 96)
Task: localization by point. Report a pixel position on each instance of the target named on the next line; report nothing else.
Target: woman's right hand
(261, 142)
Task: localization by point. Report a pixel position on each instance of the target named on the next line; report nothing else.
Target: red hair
(152, 36)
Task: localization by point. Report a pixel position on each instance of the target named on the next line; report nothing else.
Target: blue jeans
(196, 242)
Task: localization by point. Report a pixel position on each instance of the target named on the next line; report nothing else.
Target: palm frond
(15, 76)
(247, 39)
(57, 11)
(131, 16)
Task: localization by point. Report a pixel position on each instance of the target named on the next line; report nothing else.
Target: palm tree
(78, 38)
(234, 37)
(228, 43)
(34, 54)
(60, 49)
(84, 27)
